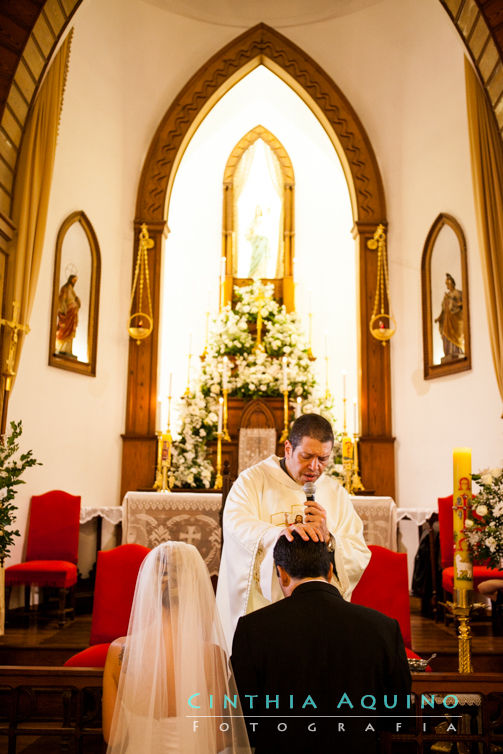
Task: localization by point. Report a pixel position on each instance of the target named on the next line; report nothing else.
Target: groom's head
(301, 560)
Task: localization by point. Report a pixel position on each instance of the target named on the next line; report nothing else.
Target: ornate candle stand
(356, 482)
(218, 478)
(460, 609)
(225, 432)
(284, 434)
(347, 461)
(164, 443)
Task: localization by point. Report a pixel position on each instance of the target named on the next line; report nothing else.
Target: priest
(269, 500)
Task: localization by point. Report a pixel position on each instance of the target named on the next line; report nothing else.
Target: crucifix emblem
(15, 327)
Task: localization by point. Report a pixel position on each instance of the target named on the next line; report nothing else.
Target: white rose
(468, 523)
(486, 478)
(481, 510)
(491, 543)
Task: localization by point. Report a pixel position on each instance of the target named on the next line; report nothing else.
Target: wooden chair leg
(61, 607)
(27, 594)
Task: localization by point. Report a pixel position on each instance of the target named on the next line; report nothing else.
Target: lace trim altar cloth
(150, 518)
(154, 517)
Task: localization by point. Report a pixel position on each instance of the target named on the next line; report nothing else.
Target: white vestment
(262, 501)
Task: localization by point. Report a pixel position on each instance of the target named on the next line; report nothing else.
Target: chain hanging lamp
(140, 323)
(382, 324)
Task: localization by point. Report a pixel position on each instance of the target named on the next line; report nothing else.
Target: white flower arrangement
(251, 372)
(484, 529)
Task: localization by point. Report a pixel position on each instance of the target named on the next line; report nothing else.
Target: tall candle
(355, 417)
(461, 501)
(158, 416)
(285, 377)
(220, 414)
(225, 380)
(170, 395)
(298, 407)
(344, 375)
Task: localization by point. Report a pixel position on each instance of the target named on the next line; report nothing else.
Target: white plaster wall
(400, 63)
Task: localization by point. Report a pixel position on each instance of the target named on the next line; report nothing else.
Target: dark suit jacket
(316, 646)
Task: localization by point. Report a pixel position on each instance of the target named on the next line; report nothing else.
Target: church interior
(214, 218)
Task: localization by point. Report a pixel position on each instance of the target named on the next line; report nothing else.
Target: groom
(303, 664)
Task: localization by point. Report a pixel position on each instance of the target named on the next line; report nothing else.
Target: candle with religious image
(285, 376)
(220, 414)
(461, 502)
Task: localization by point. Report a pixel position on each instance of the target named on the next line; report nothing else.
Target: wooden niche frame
(262, 45)
(284, 286)
(432, 370)
(55, 360)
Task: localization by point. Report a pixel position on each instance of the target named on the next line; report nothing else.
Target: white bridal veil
(175, 675)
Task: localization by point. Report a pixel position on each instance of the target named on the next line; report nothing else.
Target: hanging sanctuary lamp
(141, 323)
(382, 324)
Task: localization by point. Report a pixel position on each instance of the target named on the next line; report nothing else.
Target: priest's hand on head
(316, 515)
(306, 531)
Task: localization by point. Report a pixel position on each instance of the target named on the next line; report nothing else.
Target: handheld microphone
(309, 489)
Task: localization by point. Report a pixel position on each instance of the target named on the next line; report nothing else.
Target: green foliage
(13, 464)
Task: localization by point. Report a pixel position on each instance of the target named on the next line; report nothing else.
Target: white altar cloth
(153, 517)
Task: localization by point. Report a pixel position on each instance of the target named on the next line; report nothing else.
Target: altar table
(150, 518)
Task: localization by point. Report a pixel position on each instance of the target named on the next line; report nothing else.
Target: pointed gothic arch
(263, 45)
(284, 287)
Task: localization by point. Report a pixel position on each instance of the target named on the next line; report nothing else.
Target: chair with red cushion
(384, 586)
(52, 547)
(446, 532)
(116, 574)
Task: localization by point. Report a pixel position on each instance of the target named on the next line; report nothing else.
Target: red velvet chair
(384, 586)
(116, 574)
(52, 548)
(446, 532)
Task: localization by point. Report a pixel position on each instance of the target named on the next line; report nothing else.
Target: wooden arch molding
(283, 283)
(262, 45)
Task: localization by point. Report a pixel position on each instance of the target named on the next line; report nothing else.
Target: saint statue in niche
(68, 317)
(450, 322)
(260, 246)
(258, 189)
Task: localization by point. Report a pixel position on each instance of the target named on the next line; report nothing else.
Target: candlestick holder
(205, 351)
(187, 389)
(284, 434)
(310, 354)
(163, 482)
(218, 478)
(356, 482)
(347, 461)
(461, 609)
(225, 432)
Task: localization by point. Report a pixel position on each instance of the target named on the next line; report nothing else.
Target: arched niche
(284, 287)
(263, 45)
(446, 310)
(75, 296)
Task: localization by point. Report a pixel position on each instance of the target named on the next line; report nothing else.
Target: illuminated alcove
(324, 256)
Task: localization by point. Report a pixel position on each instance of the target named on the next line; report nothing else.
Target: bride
(167, 684)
